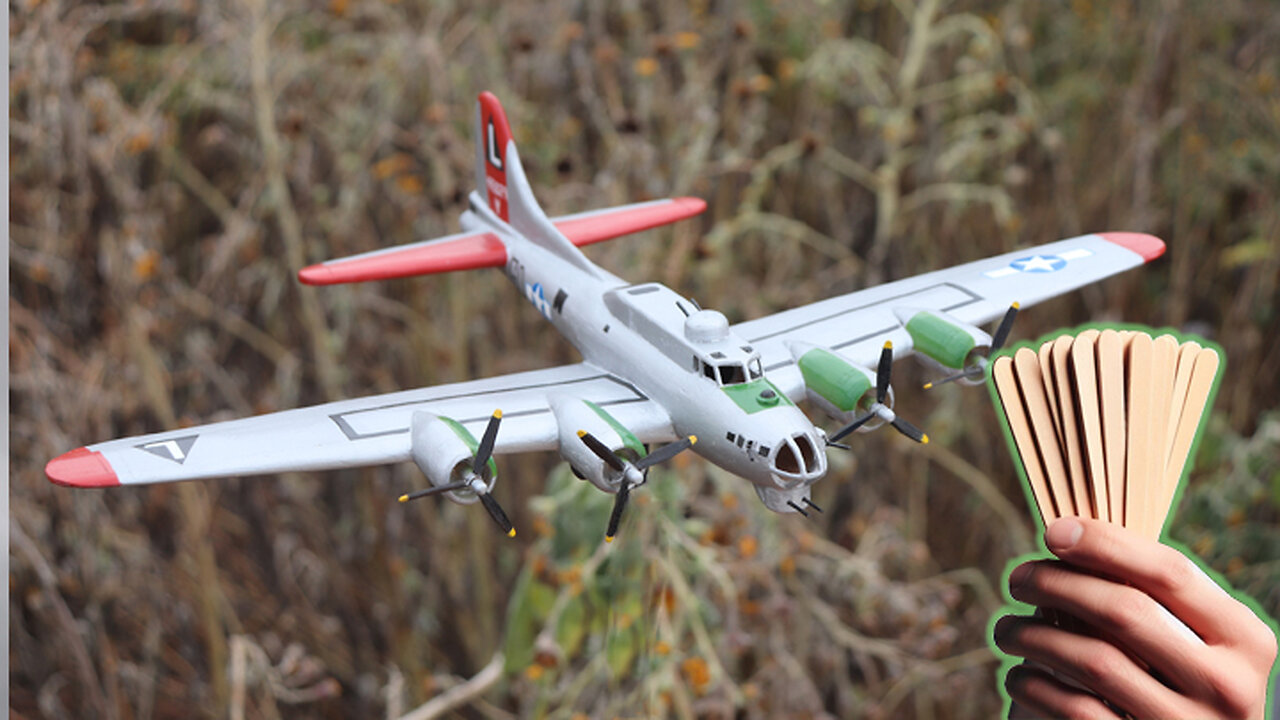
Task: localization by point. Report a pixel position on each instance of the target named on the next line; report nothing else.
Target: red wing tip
(691, 205)
(1149, 247)
(81, 467)
(315, 275)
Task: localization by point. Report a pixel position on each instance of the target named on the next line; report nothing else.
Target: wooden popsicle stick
(1045, 356)
(1201, 384)
(1110, 358)
(1184, 363)
(1069, 421)
(1164, 358)
(1026, 365)
(1016, 415)
(1138, 473)
(1084, 371)
(1187, 353)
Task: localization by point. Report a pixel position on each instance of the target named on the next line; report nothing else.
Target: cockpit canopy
(683, 331)
(730, 372)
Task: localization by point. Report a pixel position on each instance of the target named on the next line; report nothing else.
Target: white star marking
(1038, 263)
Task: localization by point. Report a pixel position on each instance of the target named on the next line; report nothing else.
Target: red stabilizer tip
(81, 467)
(1149, 247)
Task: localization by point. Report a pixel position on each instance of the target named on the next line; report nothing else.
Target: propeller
(475, 480)
(879, 409)
(632, 472)
(973, 372)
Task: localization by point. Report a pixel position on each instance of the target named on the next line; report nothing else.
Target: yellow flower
(696, 673)
(688, 40)
(645, 66)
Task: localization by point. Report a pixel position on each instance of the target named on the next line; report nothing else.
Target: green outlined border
(1013, 607)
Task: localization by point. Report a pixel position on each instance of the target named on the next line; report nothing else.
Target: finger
(1123, 615)
(1158, 570)
(1036, 694)
(1091, 663)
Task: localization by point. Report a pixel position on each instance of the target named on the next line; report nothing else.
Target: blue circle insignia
(1038, 264)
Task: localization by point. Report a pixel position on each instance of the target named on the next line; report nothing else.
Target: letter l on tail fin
(492, 135)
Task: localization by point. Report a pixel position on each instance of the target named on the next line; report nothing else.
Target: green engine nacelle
(840, 386)
(944, 339)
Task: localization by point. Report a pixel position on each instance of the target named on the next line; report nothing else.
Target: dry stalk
(327, 372)
(927, 669)
(66, 621)
(462, 694)
(1015, 522)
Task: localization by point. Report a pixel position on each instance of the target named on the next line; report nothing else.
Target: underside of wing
(360, 432)
(946, 305)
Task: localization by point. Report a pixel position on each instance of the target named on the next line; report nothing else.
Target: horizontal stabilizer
(469, 251)
(592, 227)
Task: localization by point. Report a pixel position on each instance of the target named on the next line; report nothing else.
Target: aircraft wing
(359, 432)
(857, 325)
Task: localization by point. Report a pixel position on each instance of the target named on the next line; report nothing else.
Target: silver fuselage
(748, 428)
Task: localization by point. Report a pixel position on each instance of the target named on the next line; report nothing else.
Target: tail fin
(501, 182)
(493, 137)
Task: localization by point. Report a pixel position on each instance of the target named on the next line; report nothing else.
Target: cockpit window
(710, 371)
(733, 374)
(753, 368)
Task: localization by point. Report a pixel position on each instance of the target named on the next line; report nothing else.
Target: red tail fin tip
(495, 133)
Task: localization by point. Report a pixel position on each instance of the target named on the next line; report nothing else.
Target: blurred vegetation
(172, 164)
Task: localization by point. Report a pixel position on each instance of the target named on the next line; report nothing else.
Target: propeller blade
(850, 428)
(909, 430)
(619, 504)
(666, 452)
(495, 512)
(967, 372)
(434, 490)
(883, 371)
(602, 451)
(1002, 332)
(485, 449)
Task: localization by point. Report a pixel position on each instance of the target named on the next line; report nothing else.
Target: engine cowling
(842, 389)
(573, 414)
(443, 449)
(943, 339)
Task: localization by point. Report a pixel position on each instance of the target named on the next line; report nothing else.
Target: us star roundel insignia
(175, 449)
(1038, 263)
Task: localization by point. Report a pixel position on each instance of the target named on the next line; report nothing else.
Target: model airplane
(656, 367)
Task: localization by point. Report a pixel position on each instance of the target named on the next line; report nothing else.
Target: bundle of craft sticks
(1104, 421)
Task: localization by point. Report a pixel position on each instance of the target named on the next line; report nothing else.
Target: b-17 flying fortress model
(656, 367)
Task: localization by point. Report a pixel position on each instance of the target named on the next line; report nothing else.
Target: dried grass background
(172, 164)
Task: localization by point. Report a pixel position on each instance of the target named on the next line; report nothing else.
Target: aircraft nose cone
(799, 458)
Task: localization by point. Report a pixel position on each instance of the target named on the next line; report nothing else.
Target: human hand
(1166, 642)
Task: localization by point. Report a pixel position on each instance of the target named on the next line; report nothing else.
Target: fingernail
(1063, 534)
(1019, 576)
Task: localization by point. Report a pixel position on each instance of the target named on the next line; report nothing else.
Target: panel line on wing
(917, 291)
(868, 336)
(344, 419)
